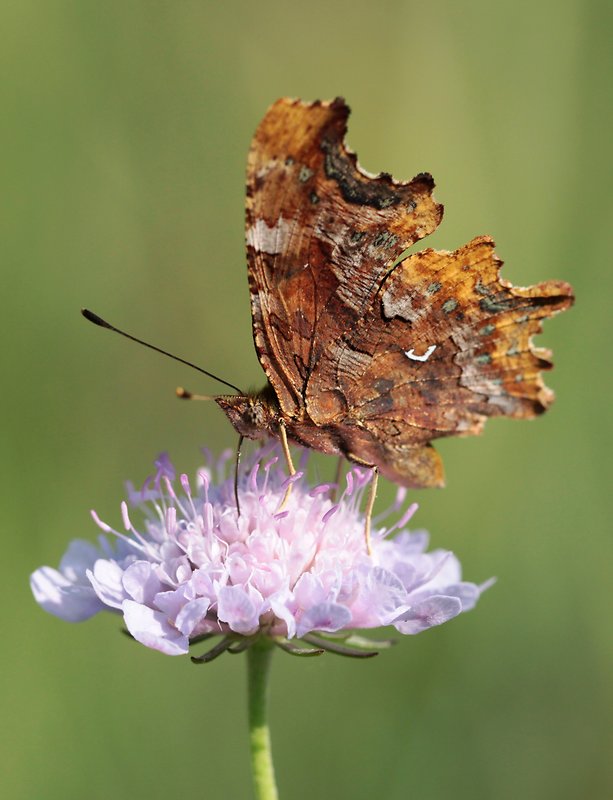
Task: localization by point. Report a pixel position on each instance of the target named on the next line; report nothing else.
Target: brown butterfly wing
(321, 235)
(367, 358)
(444, 345)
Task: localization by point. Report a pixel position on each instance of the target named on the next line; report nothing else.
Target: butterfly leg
(290, 464)
(337, 479)
(237, 464)
(372, 494)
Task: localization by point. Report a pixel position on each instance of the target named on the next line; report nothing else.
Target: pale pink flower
(194, 568)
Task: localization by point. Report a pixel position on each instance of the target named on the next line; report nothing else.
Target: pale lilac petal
(328, 617)
(79, 557)
(433, 611)
(141, 582)
(236, 608)
(152, 629)
(191, 615)
(57, 595)
(381, 599)
(447, 571)
(285, 611)
(203, 584)
(309, 590)
(411, 543)
(172, 602)
(106, 578)
(467, 594)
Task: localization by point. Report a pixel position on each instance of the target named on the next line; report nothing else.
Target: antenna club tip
(91, 317)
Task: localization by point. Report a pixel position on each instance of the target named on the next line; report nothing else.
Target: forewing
(321, 236)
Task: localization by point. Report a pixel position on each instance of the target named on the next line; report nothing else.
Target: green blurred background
(126, 128)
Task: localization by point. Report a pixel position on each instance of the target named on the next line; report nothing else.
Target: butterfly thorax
(254, 415)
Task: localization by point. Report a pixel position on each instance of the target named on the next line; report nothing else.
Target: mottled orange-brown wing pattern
(369, 356)
(321, 234)
(445, 344)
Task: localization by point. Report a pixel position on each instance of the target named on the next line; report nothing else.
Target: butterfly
(369, 353)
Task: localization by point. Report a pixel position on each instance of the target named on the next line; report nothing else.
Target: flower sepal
(294, 650)
(352, 639)
(343, 644)
(231, 643)
(349, 645)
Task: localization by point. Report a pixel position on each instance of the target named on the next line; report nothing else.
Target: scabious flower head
(195, 568)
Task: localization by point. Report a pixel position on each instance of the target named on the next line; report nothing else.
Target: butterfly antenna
(89, 315)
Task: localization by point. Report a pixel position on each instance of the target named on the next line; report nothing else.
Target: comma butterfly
(370, 355)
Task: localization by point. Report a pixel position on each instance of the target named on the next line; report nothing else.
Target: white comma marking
(410, 354)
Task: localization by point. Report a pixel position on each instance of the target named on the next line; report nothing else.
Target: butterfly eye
(254, 414)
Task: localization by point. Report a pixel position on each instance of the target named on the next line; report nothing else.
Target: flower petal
(141, 582)
(237, 610)
(152, 629)
(381, 599)
(66, 600)
(328, 617)
(106, 578)
(77, 559)
(191, 614)
(433, 611)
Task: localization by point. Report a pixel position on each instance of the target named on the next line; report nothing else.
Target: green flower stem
(258, 669)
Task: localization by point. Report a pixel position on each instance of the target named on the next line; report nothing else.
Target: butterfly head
(254, 415)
